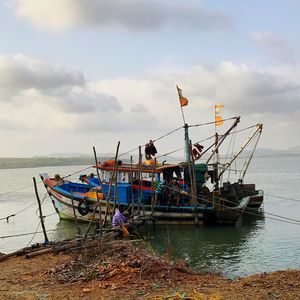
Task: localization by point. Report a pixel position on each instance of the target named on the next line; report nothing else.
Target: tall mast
(218, 122)
(184, 102)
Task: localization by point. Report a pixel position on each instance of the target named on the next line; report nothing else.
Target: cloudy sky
(77, 73)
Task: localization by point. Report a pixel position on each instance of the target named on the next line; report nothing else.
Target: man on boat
(150, 150)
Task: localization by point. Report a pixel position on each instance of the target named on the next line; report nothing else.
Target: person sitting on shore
(118, 221)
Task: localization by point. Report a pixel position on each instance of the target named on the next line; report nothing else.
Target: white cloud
(20, 73)
(134, 110)
(276, 45)
(131, 15)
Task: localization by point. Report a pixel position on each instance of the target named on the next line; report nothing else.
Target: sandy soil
(125, 271)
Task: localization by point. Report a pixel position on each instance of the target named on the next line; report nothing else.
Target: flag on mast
(218, 118)
(182, 100)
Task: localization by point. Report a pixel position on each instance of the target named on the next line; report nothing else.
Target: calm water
(257, 245)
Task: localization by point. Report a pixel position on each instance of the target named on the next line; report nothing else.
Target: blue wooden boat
(164, 193)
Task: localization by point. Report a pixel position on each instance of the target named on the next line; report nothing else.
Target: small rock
(134, 264)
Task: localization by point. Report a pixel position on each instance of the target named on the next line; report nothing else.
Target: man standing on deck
(150, 150)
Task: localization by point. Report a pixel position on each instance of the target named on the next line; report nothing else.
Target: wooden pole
(101, 187)
(152, 185)
(74, 213)
(110, 184)
(194, 186)
(140, 180)
(116, 177)
(40, 210)
(132, 192)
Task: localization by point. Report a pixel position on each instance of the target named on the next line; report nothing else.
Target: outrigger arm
(221, 140)
(257, 131)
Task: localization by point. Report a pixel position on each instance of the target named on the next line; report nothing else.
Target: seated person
(118, 221)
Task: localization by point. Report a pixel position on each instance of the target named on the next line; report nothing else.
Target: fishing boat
(186, 192)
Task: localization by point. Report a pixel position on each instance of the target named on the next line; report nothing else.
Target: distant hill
(295, 151)
(34, 162)
(73, 159)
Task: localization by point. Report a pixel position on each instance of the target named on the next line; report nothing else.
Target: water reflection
(220, 249)
(213, 249)
(66, 229)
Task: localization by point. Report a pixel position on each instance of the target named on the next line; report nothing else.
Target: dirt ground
(123, 270)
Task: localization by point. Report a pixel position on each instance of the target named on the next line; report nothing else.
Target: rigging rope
(182, 148)
(282, 218)
(155, 140)
(209, 123)
(89, 167)
(280, 197)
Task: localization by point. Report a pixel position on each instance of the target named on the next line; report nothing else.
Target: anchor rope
(23, 209)
(30, 233)
(16, 190)
(37, 228)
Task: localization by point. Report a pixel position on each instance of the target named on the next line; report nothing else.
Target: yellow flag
(218, 118)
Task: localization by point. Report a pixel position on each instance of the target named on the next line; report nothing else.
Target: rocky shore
(125, 270)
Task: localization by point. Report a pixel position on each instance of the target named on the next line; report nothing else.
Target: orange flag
(218, 118)
(182, 100)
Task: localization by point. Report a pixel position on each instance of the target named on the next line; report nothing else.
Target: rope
(12, 215)
(30, 233)
(50, 215)
(209, 123)
(243, 129)
(280, 197)
(182, 148)
(282, 218)
(16, 190)
(161, 137)
(77, 172)
(154, 140)
(251, 156)
(37, 228)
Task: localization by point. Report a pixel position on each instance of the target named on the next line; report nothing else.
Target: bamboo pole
(116, 186)
(116, 177)
(132, 193)
(74, 213)
(194, 187)
(110, 184)
(101, 187)
(40, 211)
(140, 181)
(152, 185)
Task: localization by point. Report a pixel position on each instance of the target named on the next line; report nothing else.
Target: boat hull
(68, 208)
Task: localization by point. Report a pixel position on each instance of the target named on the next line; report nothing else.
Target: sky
(76, 74)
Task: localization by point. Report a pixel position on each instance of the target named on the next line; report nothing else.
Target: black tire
(83, 207)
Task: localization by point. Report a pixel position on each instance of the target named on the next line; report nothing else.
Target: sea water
(257, 244)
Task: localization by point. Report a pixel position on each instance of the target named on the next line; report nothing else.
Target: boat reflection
(217, 249)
